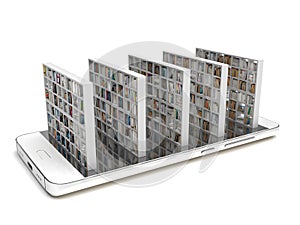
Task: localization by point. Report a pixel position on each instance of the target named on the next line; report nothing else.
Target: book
(207, 104)
(252, 88)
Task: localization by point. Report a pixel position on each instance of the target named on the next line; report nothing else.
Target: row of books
(64, 81)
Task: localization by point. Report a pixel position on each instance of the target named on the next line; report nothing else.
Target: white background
(255, 184)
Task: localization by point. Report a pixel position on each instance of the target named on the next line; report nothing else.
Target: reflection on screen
(111, 155)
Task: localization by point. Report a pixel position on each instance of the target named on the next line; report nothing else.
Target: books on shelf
(70, 116)
(168, 88)
(207, 91)
(244, 79)
(124, 94)
(152, 106)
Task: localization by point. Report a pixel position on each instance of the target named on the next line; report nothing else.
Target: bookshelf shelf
(207, 101)
(119, 104)
(167, 100)
(69, 114)
(244, 85)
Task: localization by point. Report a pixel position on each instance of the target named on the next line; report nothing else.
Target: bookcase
(167, 103)
(70, 117)
(119, 107)
(244, 86)
(207, 97)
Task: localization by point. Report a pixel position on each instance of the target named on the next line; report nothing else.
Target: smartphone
(59, 177)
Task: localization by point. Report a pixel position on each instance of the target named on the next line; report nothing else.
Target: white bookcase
(207, 97)
(244, 86)
(70, 117)
(120, 107)
(167, 101)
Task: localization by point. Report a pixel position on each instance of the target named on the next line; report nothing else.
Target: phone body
(58, 177)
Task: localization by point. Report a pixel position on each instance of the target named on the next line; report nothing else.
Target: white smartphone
(58, 177)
